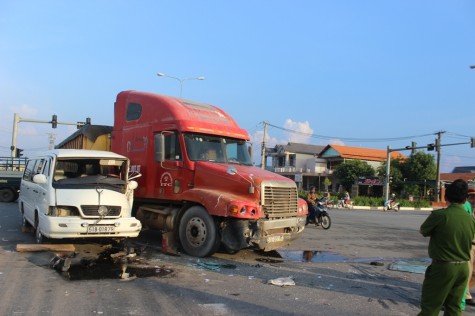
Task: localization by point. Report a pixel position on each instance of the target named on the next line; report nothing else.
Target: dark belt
(451, 262)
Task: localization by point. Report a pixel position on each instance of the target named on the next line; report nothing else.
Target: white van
(71, 193)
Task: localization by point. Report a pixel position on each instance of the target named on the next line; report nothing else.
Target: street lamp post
(179, 80)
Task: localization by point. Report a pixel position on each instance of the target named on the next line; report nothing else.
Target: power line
(350, 139)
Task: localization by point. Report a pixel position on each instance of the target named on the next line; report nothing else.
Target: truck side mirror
(231, 170)
(159, 147)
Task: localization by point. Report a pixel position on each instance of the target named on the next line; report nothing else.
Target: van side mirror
(39, 179)
(133, 185)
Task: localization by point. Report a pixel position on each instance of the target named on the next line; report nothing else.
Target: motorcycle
(323, 218)
(395, 206)
(344, 204)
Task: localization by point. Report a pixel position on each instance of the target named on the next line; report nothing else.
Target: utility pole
(386, 180)
(52, 138)
(263, 151)
(437, 179)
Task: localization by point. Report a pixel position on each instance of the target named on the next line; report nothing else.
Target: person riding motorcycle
(345, 200)
(392, 200)
(313, 211)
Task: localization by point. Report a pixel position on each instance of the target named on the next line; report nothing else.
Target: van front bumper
(64, 227)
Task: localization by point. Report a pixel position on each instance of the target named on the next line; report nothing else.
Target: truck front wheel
(197, 232)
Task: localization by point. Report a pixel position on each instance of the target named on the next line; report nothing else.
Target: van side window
(28, 173)
(46, 168)
(39, 166)
(134, 111)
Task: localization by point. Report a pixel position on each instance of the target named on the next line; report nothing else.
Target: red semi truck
(198, 184)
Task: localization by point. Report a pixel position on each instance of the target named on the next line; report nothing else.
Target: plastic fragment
(286, 281)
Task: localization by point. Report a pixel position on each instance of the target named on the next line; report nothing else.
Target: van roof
(79, 153)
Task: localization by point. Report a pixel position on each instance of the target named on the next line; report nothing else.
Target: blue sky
(359, 73)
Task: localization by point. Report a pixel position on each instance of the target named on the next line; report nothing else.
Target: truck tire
(7, 195)
(197, 232)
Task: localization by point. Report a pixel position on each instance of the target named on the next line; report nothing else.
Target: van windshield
(203, 147)
(80, 172)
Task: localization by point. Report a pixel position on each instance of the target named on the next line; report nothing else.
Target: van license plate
(275, 238)
(100, 229)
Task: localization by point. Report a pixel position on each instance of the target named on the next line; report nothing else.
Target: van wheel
(197, 232)
(40, 238)
(26, 226)
(24, 223)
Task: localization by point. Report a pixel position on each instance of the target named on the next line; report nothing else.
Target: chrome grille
(92, 210)
(279, 199)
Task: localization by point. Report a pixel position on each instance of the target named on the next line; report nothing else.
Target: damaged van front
(68, 193)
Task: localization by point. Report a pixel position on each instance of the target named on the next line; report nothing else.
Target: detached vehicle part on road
(70, 193)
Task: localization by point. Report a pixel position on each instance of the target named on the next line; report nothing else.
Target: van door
(27, 200)
(44, 190)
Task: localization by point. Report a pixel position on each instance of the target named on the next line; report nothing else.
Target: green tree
(327, 183)
(418, 168)
(396, 175)
(409, 175)
(349, 171)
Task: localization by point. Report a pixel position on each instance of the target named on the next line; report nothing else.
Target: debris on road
(410, 266)
(211, 265)
(377, 263)
(91, 261)
(286, 281)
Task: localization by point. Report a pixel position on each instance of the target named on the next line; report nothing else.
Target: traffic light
(18, 153)
(413, 150)
(54, 121)
(81, 124)
(472, 144)
(430, 147)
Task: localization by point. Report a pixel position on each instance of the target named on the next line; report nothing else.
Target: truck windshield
(90, 171)
(203, 147)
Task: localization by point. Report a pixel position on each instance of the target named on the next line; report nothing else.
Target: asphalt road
(346, 270)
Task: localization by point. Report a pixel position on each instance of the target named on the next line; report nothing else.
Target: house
(314, 165)
(464, 169)
(299, 162)
(337, 154)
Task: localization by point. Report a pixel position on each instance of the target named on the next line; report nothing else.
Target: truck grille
(91, 210)
(279, 199)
